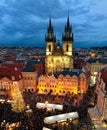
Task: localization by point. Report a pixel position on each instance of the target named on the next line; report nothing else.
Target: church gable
(67, 76)
(74, 77)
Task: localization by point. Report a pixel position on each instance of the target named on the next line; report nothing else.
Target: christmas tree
(18, 104)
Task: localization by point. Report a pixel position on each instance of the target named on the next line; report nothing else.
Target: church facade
(60, 77)
(58, 58)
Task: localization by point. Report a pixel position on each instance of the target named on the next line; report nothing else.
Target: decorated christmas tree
(18, 104)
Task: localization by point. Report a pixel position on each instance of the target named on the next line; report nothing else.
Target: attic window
(13, 77)
(20, 76)
(15, 68)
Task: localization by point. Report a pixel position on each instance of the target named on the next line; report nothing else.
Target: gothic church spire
(50, 32)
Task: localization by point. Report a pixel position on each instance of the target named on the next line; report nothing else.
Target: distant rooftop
(100, 60)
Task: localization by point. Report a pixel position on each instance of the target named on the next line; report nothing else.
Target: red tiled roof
(13, 65)
(104, 75)
(11, 73)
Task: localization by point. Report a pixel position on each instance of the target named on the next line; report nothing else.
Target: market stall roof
(44, 128)
(61, 117)
(49, 106)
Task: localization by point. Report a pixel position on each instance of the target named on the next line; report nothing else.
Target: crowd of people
(34, 120)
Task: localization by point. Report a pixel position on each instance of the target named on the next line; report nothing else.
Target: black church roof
(73, 72)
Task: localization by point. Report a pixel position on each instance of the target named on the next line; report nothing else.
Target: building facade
(38, 66)
(101, 90)
(58, 58)
(9, 78)
(95, 65)
(30, 76)
(74, 81)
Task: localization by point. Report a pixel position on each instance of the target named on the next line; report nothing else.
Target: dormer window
(20, 76)
(13, 78)
(15, 68)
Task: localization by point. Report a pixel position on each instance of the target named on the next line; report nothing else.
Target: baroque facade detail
(74, 81)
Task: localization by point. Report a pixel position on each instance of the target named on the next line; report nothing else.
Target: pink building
(9, 78)
(101, 89)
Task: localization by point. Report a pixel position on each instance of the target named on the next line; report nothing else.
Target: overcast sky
(24, 22)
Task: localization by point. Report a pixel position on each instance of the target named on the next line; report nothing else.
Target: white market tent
(44, 128)
(49, 106)
(61, 117)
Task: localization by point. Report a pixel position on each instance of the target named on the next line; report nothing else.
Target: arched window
(49, 48)
(67, 47)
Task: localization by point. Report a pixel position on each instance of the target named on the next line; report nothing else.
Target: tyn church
(58, 57)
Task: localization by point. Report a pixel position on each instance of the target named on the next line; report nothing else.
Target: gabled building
(38, 66)
(29, 75)
(75, 81)
(10, 78)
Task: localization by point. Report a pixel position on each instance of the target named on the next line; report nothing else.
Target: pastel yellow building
(74, 81)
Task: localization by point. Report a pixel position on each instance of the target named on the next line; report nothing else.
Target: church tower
(67, 39)
(50, 39)
(58, 58)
